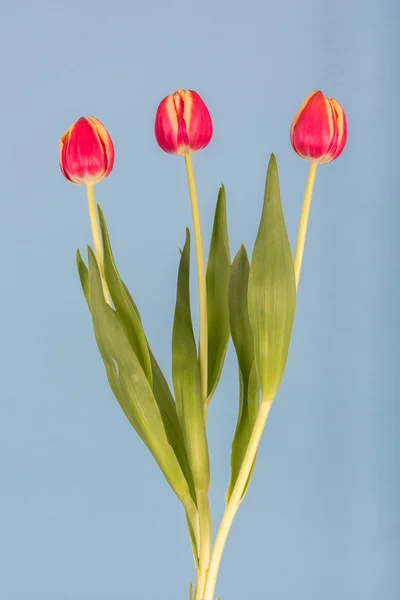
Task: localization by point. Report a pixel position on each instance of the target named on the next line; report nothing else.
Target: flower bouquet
(251, 301)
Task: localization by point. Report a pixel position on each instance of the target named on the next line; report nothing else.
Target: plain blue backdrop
(84, 512)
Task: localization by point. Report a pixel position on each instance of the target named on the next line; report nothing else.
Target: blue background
(84, 512)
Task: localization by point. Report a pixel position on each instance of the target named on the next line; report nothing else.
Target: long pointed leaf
(186, 378)
(272, 290)
(161, 391)
(83, 276)
(130, 384)
(217, 278)
(243, 340)
(125, 311)
(167, 407)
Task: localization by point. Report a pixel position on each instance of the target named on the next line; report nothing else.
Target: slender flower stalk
(202, 497)
(86, 156)
(182, 126)
(205, 542)
(176, 433)
(201, 278)
(97, 246)
(318, 134)
(235, 499)
(305, 211)
(259, 425)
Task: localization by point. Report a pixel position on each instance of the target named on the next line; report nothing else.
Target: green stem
(201, 276)
(305, 211)
(235, 499)
(193, 518)
(205, 542)
(97, 246)
(203, 504)
(262, 416)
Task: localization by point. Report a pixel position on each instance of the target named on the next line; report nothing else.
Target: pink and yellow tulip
(319, 129)
(183, 123)
(86, 152)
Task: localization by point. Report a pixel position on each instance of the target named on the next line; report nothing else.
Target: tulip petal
(198, 122)
(106, 142)
(341, 122)
(166, 125)
(181, 134)
(296, 117)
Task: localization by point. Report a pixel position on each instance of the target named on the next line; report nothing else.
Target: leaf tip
(100, 213)
(273, 164)
(187, 241)
(91, 256)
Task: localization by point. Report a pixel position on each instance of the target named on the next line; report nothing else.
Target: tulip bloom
(319, 129)
(183, 123)
(86, 152)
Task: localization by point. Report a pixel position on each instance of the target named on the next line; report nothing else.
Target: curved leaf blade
(243, 340)
(83, 276)
(167, 408)
(272, 289)
(125, 311)
(161, 391)
(217, 280)
(186, 378)
(130, 385)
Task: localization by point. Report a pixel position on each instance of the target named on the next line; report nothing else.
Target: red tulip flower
(319, 129)
(86, 152)
(183, 123)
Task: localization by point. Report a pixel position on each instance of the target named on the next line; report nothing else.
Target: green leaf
(130, 385)
(125, 311)
(186, 378)
(167, 408)
(272, 290)
(217, 278)
(193, 543)
(243, 340)
(83, 275)
(161, 391)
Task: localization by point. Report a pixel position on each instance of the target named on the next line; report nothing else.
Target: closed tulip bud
(183, 123)
(86, 152)
(319, 129)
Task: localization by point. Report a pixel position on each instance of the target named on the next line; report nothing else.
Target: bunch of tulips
(251, 301)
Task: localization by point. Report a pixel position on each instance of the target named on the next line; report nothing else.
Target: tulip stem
(259, 425)
(236, 498)
(201, 278)
(205, 542)
(305, 211)
(98, 252)
(202, 496)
